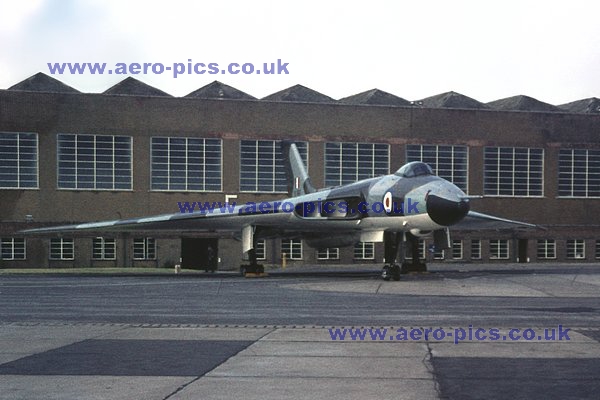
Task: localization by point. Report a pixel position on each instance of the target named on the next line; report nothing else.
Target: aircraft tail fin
(298, 180)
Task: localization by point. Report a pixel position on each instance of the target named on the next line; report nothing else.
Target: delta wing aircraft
(395, 209)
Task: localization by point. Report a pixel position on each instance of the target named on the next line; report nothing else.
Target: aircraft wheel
(243, 270)
(395, 272)
(385, 273)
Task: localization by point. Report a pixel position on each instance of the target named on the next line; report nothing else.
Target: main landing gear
(394, 243)
(252, 268)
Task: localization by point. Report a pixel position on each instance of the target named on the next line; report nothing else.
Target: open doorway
(200, 253)
(523, 258)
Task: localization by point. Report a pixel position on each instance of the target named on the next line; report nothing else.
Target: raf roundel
(387, 202)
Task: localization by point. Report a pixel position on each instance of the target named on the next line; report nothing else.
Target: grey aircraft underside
(396, 209)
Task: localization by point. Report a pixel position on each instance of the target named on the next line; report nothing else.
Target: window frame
(496, 192)
(13, 246)
(423, 149)
(261, 249)
(19, 161)
(145, 242)
(546, 249)
(187, 164)
(94, 164)
(103, 243)
(499, 243)
(460, 247)
(295, 246)
(277, 171)
(328, 253)
(478, 246)
(572, 245)
(62, 244)
(361, 251)
(339, 175)
(571, 174)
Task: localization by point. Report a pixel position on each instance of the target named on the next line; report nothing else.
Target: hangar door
(199, 253)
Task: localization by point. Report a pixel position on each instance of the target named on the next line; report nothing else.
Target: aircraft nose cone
(446, 212)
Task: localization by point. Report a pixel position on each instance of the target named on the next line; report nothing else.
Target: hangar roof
(452, 100)
(586, 106)
(299, 93)
(41, 82)
(375, 97)
(219, 90)
(133, 87)
(130, 86)
(522, 103)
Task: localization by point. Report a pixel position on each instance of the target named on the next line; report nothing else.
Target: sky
(549, 50)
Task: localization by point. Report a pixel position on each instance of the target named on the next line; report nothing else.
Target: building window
(499, 249)
(12, 249)
(475, 249)
(438, 254)
(94, 162)
(579, 173)
(18, 160)
(513, 171)
(457, 249)
(546, 249)
(144, 248)
(104, 249)
(350, 162)
(329, 253)
(186, 164)
(422, 249)
(62, 249)
(292, 249)
(448, 162)
(261, 249)
(262, 168)
(576, 249)
(364, 251)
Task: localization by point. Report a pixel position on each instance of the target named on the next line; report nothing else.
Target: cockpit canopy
(415, 168)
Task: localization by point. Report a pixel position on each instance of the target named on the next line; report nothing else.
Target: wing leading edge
(479, 221)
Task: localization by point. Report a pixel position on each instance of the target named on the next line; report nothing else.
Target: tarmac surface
(219, 336)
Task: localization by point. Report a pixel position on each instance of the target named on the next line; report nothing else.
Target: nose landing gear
(395, 243)
(391, 272)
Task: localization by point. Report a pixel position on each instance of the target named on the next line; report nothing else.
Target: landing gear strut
(415, 264)
(254, 267)
(394, 243)
(249, 242)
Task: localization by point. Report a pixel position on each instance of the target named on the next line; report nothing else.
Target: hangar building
(134, 150)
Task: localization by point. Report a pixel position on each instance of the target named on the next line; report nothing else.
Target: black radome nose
(446, 212)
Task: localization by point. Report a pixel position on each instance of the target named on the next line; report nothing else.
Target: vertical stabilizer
(298, 179)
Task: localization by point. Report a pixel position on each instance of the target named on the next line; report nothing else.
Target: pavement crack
(182, 387)
(185, 385)
(428, 364)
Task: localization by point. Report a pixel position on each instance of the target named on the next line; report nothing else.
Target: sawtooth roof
(133, 87)
(299, 93)
(585, 106)
(41, 82)
(219, 90)
(451, 100)
(522, 103)
(375, 97)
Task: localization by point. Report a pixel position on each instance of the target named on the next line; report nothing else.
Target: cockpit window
(415, 168)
